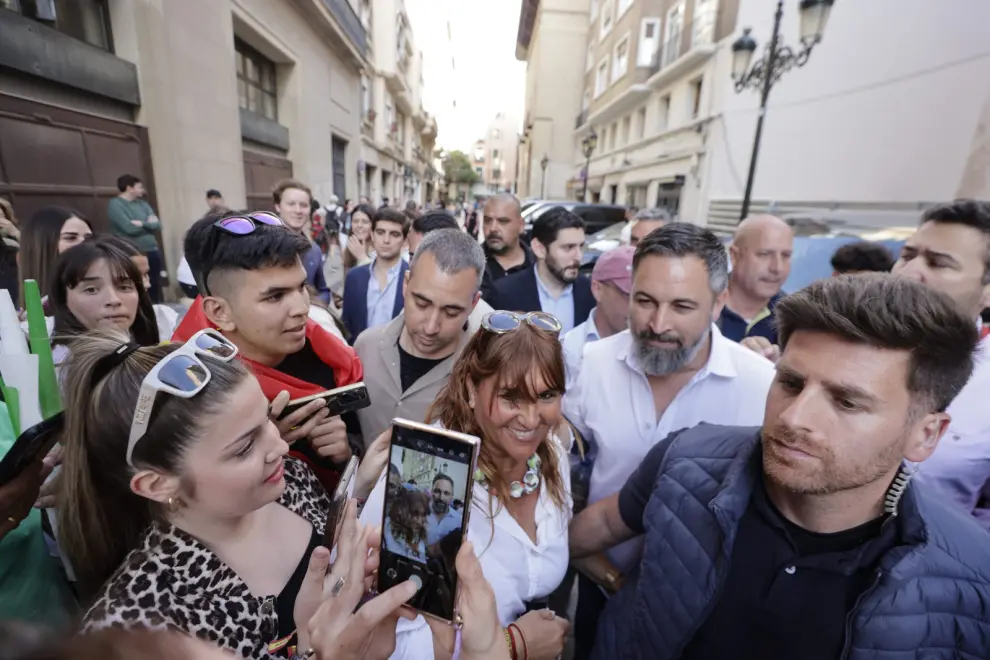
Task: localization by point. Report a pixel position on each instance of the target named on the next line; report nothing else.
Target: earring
(173, 504)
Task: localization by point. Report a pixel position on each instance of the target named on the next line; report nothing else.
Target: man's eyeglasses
(180, 373)
(238, 225)
(501, 322)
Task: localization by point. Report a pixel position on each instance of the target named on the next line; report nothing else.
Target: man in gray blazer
(407, 361)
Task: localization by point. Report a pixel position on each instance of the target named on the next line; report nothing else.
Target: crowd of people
(678, 458)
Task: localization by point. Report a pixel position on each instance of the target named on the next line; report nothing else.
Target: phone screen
(426, 504)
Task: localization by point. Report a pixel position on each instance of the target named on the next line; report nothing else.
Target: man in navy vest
(806, 538)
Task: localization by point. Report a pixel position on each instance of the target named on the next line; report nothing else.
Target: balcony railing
(582, 119)
(699, 32)
(350, 22)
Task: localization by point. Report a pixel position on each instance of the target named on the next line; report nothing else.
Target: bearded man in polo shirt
(950, 253)
(671, 369)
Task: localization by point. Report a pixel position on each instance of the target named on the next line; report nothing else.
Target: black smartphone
(339, 400)
(338, 504)
(31, 445)
(426, 514)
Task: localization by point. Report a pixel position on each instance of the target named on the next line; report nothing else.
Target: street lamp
(588, 145)
(775, 62)
(543, 181)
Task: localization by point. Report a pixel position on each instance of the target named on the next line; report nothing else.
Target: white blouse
(518, 569)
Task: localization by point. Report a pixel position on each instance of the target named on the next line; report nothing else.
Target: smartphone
(426, 514)
(32, 445)
(339, 400)
(338, 504)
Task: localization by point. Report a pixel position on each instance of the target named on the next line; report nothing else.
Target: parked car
(596, 216)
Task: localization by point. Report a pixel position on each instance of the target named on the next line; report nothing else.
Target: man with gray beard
(672, 369)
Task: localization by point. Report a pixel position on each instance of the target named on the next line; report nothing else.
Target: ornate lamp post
(543, 180)
(588, 145)
(777, 59)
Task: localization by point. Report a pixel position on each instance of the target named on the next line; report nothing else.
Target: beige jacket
(378, 349)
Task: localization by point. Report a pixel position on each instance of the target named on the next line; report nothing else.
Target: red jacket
(333, 352)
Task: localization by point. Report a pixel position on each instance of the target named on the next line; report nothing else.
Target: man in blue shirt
(554, 284)
(373, 292)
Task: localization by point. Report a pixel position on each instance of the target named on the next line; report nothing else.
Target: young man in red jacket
(253, 288)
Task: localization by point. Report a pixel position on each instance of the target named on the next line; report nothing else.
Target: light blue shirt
(573, 344)
(381, 302)
(562, 308)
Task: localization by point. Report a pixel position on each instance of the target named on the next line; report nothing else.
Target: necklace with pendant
(530, 481)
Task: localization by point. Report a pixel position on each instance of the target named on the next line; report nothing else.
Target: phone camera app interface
(424, 517)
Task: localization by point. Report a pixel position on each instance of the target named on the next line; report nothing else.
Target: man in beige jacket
(407, 361)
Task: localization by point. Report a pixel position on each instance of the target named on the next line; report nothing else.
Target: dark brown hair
(969, 213)
(890, 313)
(390, 215)
(512, 358)
(71, 268)
(100, 518)
(406, 526)
(39, 243)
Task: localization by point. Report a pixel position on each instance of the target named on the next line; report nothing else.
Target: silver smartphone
(426, 514)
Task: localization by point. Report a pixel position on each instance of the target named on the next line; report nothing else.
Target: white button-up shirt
(611, 404)
(518, 569)
(573, 345)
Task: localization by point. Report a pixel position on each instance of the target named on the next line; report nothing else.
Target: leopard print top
(172, 581)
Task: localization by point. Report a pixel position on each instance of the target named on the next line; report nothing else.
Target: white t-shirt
(184, 273)
(518, 569)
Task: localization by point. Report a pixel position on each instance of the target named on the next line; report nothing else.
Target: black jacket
(518, 293)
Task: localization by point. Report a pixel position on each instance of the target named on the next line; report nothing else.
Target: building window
(586, 100)
(400, 131)
(626, 121)
(672, 41)
(589, 60)
(703, 23)
(86, 20)
(663, 113)
(479, 171)
(620, 63)
(613, 136)
(389, 115)
(601, 77)
(608, 7)
(256, 91)
(641, 123)
(695, 99)
(494, 154)
(624, 5)
(649, 42)
(366, 100)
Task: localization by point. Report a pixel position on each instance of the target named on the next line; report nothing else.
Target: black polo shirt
(494, 270)
(788, 591)
(736, 328)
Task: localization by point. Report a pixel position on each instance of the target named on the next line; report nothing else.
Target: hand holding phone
(301, 422)
(426, 513)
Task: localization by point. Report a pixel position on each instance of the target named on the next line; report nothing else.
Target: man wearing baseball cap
(611, 281)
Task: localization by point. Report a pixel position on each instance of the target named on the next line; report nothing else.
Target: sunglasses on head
(180, 373)
(501, 322)
(239, 225)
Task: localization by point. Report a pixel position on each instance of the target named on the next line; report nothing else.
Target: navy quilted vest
(931, 599)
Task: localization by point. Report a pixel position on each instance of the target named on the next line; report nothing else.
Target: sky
(485, 77)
